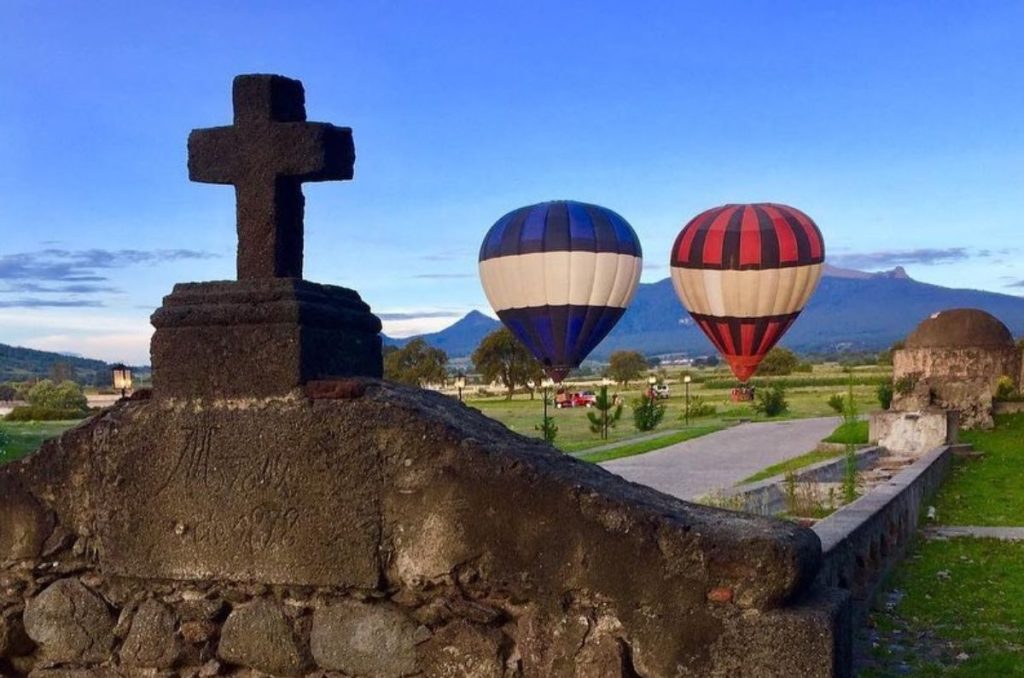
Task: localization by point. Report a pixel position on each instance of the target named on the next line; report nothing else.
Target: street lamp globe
(122, 378)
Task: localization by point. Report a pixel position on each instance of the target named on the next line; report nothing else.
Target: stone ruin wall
(963, 379)
(374, 530)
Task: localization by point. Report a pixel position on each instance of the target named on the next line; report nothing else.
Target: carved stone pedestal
(260, 338)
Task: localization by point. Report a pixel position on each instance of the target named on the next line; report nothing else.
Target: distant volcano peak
(898, 273)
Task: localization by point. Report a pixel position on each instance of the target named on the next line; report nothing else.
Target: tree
(626, 366)
(771, 401)
(500, 357)
(66, 395)
(607, 415)
(778, 361)
(417, 363)
(62, 371)
(647, 413)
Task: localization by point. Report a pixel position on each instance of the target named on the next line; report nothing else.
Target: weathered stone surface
(14, 642)
(364, 639)
(237, 492)
(260, 338)
(151, 642)
(267, 154)
(257, 635)
(464, 649)
(70, 623)
(25, 524)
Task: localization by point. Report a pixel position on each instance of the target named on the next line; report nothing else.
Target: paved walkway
(952, 531)
(719, 460)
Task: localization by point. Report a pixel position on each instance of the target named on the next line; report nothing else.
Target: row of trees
(501, 358)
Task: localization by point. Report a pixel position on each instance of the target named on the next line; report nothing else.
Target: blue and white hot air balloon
(560, 275)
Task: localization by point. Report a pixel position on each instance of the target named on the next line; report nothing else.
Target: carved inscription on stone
(242, 497)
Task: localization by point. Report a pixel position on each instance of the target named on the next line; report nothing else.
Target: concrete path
(953, 531)
(719, 460)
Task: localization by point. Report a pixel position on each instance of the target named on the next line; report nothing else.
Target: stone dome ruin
(954, 360)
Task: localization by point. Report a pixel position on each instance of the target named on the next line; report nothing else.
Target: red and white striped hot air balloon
(744, 272)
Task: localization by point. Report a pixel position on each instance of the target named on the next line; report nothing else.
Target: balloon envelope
(744, 272)
(560, 275)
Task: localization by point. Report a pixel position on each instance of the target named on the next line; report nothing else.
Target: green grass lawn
(850, 433)
(963, 597)
(26, 437)
(630, 449)
(793, 464)
(988, 490)
(958, 598)
(521, 414)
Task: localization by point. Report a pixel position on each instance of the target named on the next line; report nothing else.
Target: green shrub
(837, 402)
(35, 413)
(771, 401)
(647, 413)
(548, 429)
(884, 393)
(700, 408)
(804, 367)
(906, 384)
(5, 441)
(67, 395)
(1006, 389)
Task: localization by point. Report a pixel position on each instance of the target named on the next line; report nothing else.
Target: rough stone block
(14, 642)
(239, 492)
(257, 635)
(25, 523)
(260, 338)
(464, 649)
(364, 639)
(151, 642)
(70, 623)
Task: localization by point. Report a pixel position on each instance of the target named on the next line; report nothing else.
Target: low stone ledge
(767, 497)
(864, 539)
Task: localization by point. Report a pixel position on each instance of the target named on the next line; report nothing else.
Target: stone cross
(267, 154)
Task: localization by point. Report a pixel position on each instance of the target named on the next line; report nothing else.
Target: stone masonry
(327, 523)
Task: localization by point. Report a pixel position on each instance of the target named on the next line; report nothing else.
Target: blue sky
(898, 126)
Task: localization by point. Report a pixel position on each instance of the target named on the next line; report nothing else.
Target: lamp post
(122, 377)
(651, 381)
(546, 384)
(460, 383)
(686, 381)
(605, 383)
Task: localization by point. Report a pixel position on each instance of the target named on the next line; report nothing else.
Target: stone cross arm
(266, 154)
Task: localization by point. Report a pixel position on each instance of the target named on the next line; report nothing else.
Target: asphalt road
(719, 460)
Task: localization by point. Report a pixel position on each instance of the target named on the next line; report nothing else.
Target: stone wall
(364, 529)
(864, 540)
(960, 379)
(913, 433)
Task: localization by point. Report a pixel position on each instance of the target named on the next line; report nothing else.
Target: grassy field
(639, 447)
(793, 464)
(523, 415)
(25, 437)
(956, 607)
(987, 490)
(852, 433)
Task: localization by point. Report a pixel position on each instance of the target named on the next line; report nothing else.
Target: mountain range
(850, 311)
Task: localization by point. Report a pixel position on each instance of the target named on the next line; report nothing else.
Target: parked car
(584, 399)
(659, 391)
(563, 398)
